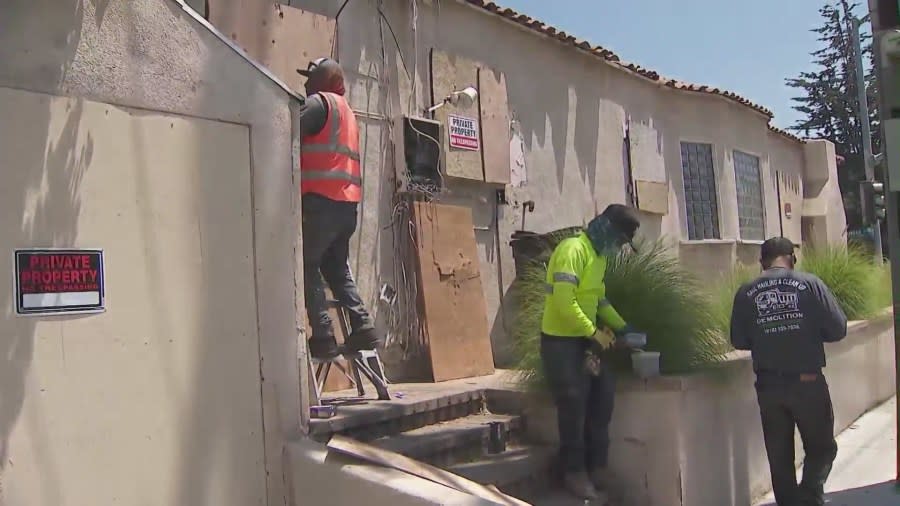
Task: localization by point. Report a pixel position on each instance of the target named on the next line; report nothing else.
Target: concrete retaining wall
(697, 440)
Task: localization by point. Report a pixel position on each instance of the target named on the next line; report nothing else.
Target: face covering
(605, 239)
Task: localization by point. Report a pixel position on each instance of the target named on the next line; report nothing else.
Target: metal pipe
(864, 125)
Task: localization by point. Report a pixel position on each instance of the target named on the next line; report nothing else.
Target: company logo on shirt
(778, 304)
(772, 302)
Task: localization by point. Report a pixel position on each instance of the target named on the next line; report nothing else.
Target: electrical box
(419, 151)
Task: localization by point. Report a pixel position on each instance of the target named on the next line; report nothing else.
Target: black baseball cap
(319, 65)
(625, 221)
(776, 247)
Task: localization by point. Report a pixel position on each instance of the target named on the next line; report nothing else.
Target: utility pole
(865, 127)
(885, 16)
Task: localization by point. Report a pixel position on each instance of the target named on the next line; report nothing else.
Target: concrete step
(522, 471)
(451, 442)
(413, 408)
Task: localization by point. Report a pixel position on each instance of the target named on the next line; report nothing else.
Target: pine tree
(828, 99)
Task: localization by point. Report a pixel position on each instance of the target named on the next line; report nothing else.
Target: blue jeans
(584, 403)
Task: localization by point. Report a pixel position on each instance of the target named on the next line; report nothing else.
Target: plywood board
(363, 451)
(280, 37)
(647, 161)
(653, 197)
(451, 73)
(495, 126)
(451, 293)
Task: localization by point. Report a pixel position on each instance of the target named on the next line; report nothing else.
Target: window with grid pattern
(751, 214)
(700, 198)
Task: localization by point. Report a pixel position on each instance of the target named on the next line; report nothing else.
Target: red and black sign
(50, 281)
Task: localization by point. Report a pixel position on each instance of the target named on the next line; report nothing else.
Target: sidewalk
(865, 469)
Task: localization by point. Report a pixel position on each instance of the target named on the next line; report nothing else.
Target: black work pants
(785, 403)
(328, 226)
(584, 403)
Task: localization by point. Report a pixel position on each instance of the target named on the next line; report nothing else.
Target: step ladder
(366, 362)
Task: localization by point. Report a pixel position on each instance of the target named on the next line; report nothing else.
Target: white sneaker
(579, 485)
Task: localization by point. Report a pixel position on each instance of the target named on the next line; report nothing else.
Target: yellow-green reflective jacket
(576, 293)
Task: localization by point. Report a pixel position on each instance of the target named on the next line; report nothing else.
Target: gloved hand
(603, 338)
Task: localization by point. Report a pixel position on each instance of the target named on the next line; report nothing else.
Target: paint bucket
(645, 363)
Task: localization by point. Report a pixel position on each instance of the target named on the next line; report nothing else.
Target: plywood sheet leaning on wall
(280, 37)
(450, 292)
(495, 125)
(451, 73)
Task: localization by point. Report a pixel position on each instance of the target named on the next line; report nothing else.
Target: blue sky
(745, 47)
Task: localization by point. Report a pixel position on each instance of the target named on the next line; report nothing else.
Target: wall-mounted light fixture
(464, 98)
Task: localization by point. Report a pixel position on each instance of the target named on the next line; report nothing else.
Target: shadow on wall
(207, 429)
(41, 196)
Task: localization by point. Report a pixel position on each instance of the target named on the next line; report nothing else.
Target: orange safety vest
(329, 160)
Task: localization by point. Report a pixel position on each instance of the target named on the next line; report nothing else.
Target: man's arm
(565, 278)
(833, 322)
(608, 314)
(313, 115)
(740, 337)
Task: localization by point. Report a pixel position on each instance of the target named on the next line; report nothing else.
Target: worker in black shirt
(783, 318)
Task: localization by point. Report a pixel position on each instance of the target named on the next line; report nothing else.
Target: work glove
(602, 338)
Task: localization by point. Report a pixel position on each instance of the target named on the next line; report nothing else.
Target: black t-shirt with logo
(783, 318)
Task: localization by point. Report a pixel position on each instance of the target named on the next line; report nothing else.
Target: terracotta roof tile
(613, 59)
(787, 134)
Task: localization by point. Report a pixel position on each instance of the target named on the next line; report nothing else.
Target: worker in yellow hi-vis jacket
(575, 312)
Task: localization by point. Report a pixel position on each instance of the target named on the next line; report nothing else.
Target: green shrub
(689, 324)
(851, 275)
(722, 295)
(652, 292)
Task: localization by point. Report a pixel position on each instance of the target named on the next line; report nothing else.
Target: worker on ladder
(331, 189)
(572, 332)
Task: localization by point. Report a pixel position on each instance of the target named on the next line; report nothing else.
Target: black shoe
(363, 339)
(323, 348)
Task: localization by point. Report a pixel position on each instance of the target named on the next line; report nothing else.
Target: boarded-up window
(700, 191)
(751, 215)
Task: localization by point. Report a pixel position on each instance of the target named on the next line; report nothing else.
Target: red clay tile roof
(787, 134)
(612, 58)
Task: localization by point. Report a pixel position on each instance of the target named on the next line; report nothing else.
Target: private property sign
(463, 133)
(53, 281)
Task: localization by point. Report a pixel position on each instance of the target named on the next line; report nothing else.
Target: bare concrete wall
(149, 54)
(697, 440)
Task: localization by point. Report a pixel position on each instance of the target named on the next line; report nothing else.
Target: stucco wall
(788, 165)
(570, 108)
(824, 220)
(148, 54)
(94, 406)
(697, 440)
